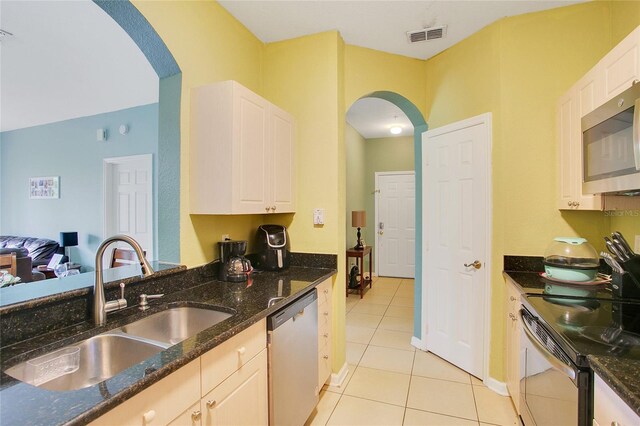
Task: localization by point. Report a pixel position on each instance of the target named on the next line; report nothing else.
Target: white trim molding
(337, 379)
(498, 387)
(418, 343)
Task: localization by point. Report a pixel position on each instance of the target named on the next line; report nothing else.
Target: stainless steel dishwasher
(293, 362)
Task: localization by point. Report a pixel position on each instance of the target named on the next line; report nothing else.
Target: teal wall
(69, 149)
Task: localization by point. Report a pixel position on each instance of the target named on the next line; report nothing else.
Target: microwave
(611, 146)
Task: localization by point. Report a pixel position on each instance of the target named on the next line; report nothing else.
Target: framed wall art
(44, 187)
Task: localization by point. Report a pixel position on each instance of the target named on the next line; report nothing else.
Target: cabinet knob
(326, 291)
(326, 314)
(196, 415)
(242, 350)
(149, 415)
(614, 423)
(326, 335)
(577, 204)
(211, 403)
(267, 209)
(513, 317)
(513, 299)
(273, 208)
(325, 356)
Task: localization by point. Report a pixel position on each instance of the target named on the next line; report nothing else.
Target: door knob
(476, 264)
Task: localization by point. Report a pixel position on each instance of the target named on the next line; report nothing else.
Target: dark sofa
(41, 250)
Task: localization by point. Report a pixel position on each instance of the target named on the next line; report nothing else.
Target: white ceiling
(373, 117)
(380, 25)
(67, 59)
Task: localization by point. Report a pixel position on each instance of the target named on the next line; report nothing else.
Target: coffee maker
(233, 265)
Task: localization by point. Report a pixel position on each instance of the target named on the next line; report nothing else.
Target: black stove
(588, 326)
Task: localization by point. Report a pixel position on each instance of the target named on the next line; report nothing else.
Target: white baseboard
(417, 343)
(496, 386)
(337, 379)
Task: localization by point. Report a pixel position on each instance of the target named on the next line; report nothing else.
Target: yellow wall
(209, 45)
(517, 69)
(304, 77)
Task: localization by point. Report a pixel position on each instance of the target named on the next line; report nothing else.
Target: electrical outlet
(225, 237)
(637, 245)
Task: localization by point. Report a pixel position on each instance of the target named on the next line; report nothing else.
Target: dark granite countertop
(26, 404)
(622, 375)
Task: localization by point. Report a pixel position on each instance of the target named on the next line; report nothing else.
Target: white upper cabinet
(615, 73)
(242, 152)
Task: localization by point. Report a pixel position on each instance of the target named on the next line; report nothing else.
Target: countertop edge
(616, 380)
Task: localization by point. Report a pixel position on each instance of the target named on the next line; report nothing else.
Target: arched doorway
(170, 90)
(419, 124)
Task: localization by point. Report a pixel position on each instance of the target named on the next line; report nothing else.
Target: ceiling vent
(427, 34)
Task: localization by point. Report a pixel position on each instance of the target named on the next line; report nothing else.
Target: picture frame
(44, 187)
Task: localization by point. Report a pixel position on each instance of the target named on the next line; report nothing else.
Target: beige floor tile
(343, 386)
(389, 359)
(380, 299)
(494, 408)
(475, 381)
(365, 307)
(354, 352)
(424, 418)
(352, 411)
(400, 311)
(392, 339)
(402, 301)
(381, 289)
(363, 320)
(322, 412)
(442, 397)
(351, 303)
(390, 281)
(379, 385)
(359, 334)
(427, 364)
(405, 291)
(408, 281)
(396, 324)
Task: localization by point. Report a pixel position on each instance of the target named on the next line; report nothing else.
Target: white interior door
(456, 230)
(129, 199)
(395, 224)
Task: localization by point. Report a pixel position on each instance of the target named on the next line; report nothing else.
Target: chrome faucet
(100, 305)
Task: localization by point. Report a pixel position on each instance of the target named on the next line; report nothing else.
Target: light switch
(318, 216)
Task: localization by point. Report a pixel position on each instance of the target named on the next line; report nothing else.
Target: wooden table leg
(370, 274)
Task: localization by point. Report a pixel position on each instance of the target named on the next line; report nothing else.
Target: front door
(456, 193)
(129, 200)
(396, 224)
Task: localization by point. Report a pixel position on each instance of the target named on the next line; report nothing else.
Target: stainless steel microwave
(611, 146)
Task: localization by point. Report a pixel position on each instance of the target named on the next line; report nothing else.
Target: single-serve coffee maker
(272, 246)
(233, 265)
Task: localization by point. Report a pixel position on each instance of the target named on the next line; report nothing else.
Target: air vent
(427, 34)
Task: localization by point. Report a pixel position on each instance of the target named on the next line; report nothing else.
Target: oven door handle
(551, 359)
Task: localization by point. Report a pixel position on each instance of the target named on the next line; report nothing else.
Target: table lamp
(359, 220)
(68, 239)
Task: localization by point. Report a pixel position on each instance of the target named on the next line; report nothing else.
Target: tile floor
(392, 383)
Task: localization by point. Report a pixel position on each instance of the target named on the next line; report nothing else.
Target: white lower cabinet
(324, 332)
(225, 386)
(609, 408)
(241, 399)
(512, 346)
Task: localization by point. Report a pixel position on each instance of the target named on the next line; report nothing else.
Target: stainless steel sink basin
(175, 324)
(95, 360)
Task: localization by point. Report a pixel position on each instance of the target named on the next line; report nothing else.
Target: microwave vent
(427, 34)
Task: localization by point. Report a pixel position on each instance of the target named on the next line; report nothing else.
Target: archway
(170, 90)
(420, 126)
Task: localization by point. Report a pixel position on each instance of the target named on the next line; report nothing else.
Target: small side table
(360, 255)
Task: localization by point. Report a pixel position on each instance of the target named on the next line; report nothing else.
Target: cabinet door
(565, 114)
(250, 180)
(513, 344)
(282, 162)
(324, 332)
(621, 66)
(191, 417)
(242, 398)
(159, 403)
(609, 408)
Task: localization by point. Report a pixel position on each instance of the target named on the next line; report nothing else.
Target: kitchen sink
(84, 364)
(176, 324)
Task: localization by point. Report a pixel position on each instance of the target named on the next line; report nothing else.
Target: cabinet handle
(149, 415)
(211, 403)
(326, 334)
(614, 423)
(196, 415)
(513, 299)
(325, 356)
(242, 350)
(267, 209)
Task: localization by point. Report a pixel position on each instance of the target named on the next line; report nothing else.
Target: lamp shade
(358, 218)
(68, 239)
